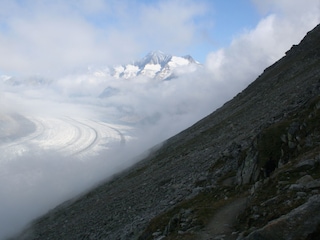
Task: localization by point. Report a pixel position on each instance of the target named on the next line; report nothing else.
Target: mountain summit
(156, 65)
(155, 57)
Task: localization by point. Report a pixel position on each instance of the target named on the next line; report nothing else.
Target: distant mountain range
(157, 65)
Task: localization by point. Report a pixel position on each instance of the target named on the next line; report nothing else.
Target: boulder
(306, 164)
(305, 179)
(313, 184)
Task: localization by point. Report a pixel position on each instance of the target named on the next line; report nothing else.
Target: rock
(185, 213)
(292, 145)
(289, 137)
(300, 223)
(157, 234)
(160, 237)
(229, 181)
(302, 173)
(255, 187)
(296, 187)
(255, 216)
(281, 183)
(293, 128)
(301, 194)
(269, 201)
(305, 179)
(248, 171)
(284, 138)
(306, 164)
(313, 184)
(220, 237)
(197, 190)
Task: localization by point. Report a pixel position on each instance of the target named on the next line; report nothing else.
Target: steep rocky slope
(249, 170)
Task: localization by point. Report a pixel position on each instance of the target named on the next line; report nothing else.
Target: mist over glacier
(38, 167)
(37, 173)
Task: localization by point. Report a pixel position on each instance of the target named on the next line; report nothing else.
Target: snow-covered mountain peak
(155, 64)
(155, 57)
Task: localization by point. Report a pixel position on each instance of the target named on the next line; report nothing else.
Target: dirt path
(221, 225)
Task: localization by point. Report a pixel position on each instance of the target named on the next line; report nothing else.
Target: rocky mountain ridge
(257, 159)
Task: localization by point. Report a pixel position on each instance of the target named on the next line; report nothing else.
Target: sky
(235, 40)
(51, 37)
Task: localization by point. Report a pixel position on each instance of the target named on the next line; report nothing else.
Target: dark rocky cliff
(249, 170)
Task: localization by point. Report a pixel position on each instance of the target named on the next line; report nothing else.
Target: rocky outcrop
(262, 145)
(301, 223)
(281, 142)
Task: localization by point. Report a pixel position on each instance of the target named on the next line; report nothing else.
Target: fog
(38, 171)
(58, 138)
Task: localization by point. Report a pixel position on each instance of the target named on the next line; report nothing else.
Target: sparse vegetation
(202, 207)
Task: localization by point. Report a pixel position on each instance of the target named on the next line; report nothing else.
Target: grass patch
(203, 206)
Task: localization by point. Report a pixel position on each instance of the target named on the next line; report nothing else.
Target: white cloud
(293, 9)
(170, 24)
(253, 50)
(53, 36)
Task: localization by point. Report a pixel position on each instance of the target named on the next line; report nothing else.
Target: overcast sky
(56, 36)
